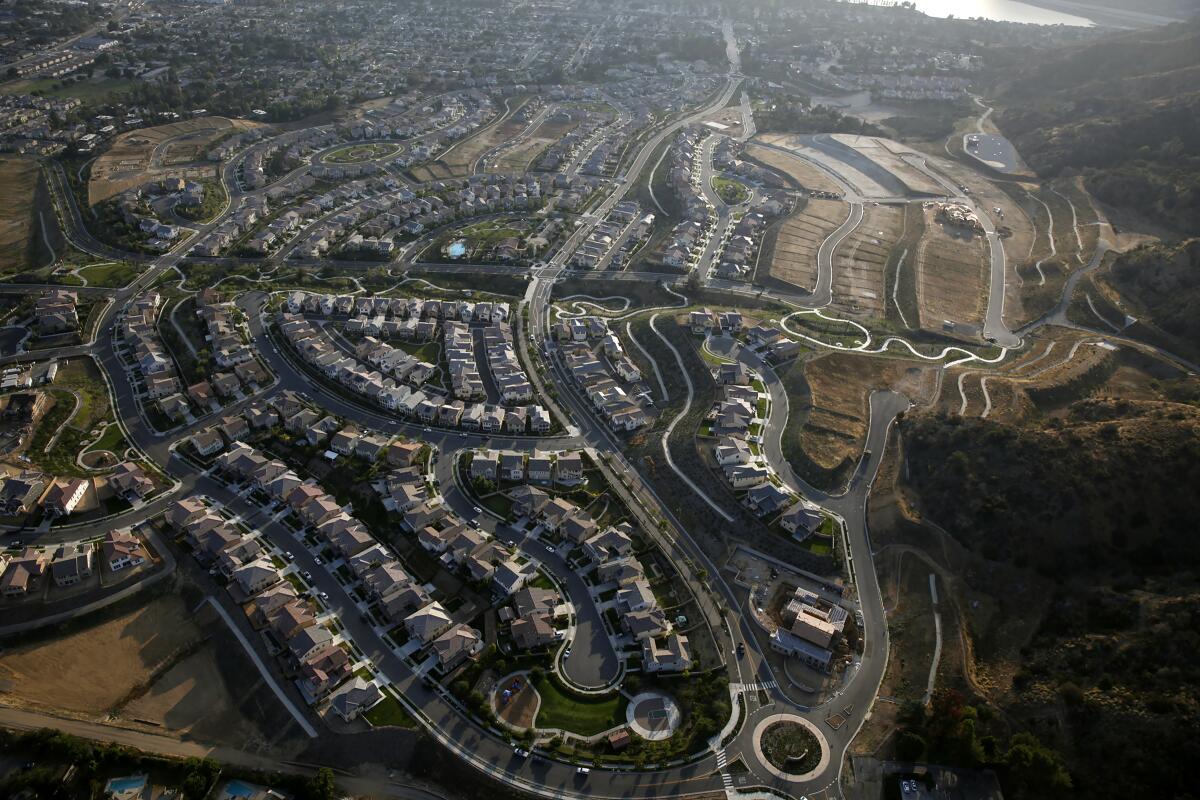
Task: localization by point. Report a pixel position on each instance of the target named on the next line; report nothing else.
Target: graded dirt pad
(519, 157)
(794, 258)
(19, 226)
(145, 154)
(858, 264)
(461, 159)
(521, 708)
(886, 154)
(952, 272)
(92, 670)
(841, 386)
(803, 172)
(431, 171)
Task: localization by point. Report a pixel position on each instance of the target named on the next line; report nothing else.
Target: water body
(1001, 10)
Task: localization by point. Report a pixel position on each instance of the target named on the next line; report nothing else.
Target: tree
(321, 786)
(910, 746)
(1034, 770)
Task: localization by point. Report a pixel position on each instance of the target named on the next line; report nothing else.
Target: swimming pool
(456, 250)
(122, 786)
(238, 789)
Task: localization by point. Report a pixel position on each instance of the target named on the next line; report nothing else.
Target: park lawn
(112, 440)
(429, 352)
(87, 91)
(114, 275)
(584, 717)
(388, 711)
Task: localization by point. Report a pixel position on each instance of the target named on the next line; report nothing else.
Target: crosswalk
(726, 779)
(754, 687)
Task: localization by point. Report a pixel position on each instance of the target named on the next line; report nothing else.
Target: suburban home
(568, 469)
(130, 482)
(207, 442)
(532, 632)
(668, 653)
(323, 670)
(308, 641)
(455, 646)
(122, 549)
(64, 496)
(256, 576)
(23, 573)
(72, 563)
(427, 623)
(354, 697)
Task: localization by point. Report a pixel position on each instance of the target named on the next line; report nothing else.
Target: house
(72, 563)
(309, 641)
(668, 653)
(402, 454)
(23, 573)
(532, 632)
(768, 499)
(181, 512)
(512, 466)
(323, 670)
(252, 578)
(608, 544)
(529, 501)
(427, 623)
(485, 465)
(456, 645)
(354, 697)
(20, 494)
(801, 521)
(732, 451)
(130, 482)
(568, 469)
(637, 596)
(536, 600)
(646, 624)
(64, 496)
(207, 442)
(122, 549)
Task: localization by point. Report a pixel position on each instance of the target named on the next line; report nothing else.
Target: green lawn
(732, 192)
(354, 153)
(87, 91)
(112, 439)
(115, 274)
(584, 717)
(388, 711)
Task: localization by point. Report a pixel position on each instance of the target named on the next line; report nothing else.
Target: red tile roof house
(64, 496)
(122, 549)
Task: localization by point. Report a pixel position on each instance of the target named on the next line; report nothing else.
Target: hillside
(1124, 111)
(1100, 506)
(1163, 283)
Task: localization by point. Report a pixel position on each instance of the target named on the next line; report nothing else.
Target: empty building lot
(952, 273)
(858, 264)
(794, 257)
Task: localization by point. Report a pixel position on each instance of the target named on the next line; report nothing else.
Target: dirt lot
(91, 671)
(520, 156)
(22, 194)
(886, 154)
(461, 159)
(521, 708)
(433, 171)
(145, 154)
(858, 265)
(841, 386)
(155, 666)
(794, 258)
(952, 271)
(800, 170)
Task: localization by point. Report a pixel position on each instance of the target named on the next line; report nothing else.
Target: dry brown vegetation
(146, 154)
(461, 159)
(858, 265)
(518, 157)
(835, 424)
(19, 232)
(794, 258)
(952, 269)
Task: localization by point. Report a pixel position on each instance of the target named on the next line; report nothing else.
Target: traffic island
(790, 747)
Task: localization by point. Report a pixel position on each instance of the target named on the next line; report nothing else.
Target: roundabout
(790, 747)
(361, 153)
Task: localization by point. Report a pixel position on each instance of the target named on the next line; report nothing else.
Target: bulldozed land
(157, 666)
(147, 154)
(798, 169)
(887, 154)
(432, 171)
(22, 196)
(858, 265)
(460, 160)
(952, 271)
(794, 258)
(519, 157)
